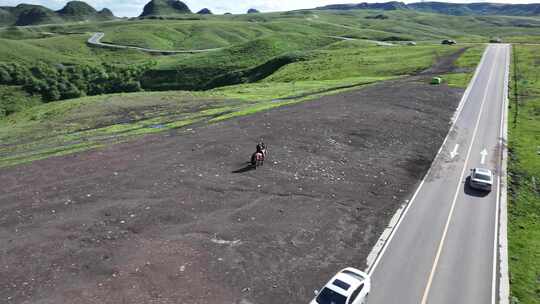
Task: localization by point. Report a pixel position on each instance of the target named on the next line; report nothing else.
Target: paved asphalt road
(444, 249)
(96, 41)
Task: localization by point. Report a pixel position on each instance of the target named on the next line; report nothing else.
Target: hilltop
(456, 9)
(28, 14)
(205, 11)
(387, 6)
(73, 11)
(165, 8)
(78, 10)
(477, 8)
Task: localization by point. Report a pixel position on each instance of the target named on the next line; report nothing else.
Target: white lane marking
(465, 96)
(504, 283)
(454, 152)
(371, 266)
(484, 154)
(502, 135)
(454, 201)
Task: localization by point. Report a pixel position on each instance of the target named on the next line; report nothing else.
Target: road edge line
(388, 233)
(504, 280)
(494, 267)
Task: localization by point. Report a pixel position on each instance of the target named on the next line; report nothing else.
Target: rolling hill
(74, 11)
(27, 14)
(205, 11)
(387, 6)
(80, 11)
(456, 9)
(54, 62)
(477, 9)
(165, 8)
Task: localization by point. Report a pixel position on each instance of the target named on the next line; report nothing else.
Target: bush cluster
(57, 82)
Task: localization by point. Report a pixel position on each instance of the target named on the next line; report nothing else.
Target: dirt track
(175, 218)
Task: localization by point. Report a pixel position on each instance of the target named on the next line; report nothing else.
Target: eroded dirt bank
(175, 218)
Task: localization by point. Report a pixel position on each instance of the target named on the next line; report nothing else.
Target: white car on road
(481, 179)
(349, 286)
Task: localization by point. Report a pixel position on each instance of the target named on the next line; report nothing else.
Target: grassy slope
(196, 70)
(40, 131)
(249, 41)
(257, 39)
(184, 35)
(71, 49)
(359, 62)
(524, 194)
(467, 63)
(217, 31)
(53, 50)
(13, 99)
(249, 38)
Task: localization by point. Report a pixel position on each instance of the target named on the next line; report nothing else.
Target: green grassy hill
(183, 35)
(76, 10)
(60, 127)
(51, 62)
(457, 9)
(205, 11)
(6, 17)
(27, 14)
(461, 9)
(34, 14)
(81, 11)
(165, 8)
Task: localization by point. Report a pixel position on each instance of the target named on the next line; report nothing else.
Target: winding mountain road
(95, 40)
(444, 248)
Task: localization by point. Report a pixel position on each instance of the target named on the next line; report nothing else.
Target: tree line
(58, 82)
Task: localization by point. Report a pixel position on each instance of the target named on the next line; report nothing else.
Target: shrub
(133, 86)
(5, 77)
(55, 82)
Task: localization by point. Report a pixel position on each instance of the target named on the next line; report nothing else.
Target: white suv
(481, 179)
(349, 286)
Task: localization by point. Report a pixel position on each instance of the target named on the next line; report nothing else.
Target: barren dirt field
(179, 218)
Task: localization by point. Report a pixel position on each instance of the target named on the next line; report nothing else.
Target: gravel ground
(179, 218)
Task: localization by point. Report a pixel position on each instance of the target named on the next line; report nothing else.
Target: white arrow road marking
(484, 153)
(454, 152)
